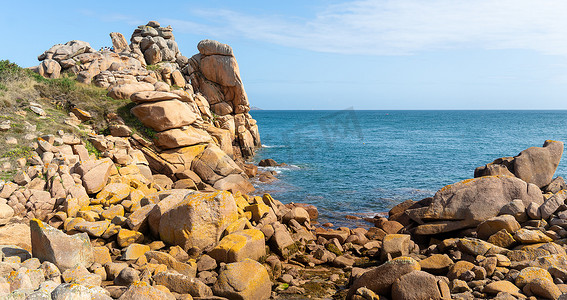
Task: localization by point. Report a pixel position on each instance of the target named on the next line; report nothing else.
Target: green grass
(19, 151)
(7, 175)
(152, 67)
(90, 148)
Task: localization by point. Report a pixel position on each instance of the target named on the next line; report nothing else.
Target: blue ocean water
(364, 162)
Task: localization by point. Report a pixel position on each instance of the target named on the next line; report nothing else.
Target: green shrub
(152, 67)
(10, 71)
(90, 147)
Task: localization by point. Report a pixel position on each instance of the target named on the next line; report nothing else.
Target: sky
(368, 54)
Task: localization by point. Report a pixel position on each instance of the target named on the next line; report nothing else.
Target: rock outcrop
(187, 102)
(469, 202)
(198, 221)
(534, 165)
(214, 73)
(66, 252)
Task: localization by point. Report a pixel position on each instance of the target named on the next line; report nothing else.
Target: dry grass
(16, 85)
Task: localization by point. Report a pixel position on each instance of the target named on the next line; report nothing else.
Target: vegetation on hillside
(19, 87)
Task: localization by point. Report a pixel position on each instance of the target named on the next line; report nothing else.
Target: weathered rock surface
(538, 164)
(247, 279)
(164, 115)
(240, 245)
(175, 138)
(143, 291)
(199, 220)
(472, 201)
(50, 244)
(381, 278)
(534, 165)
(416, 285)
(214, 164)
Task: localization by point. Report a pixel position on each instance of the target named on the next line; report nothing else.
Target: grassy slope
(19, 87)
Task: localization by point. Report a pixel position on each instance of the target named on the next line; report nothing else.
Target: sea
(362, 163)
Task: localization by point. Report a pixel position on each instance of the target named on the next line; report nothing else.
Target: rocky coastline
(171, 213)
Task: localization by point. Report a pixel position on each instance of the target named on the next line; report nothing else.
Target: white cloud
(397, 27)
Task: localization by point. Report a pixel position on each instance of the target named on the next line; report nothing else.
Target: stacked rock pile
(214, 73)
(79, 58)
(154, 43)
(198, 108)
(137, 239)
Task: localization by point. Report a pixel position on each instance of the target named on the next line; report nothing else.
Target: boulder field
(176, 217)
(119, 235)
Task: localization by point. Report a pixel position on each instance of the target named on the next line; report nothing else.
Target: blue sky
(370, 54)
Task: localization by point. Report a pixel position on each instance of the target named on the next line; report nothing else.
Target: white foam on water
(279, 169)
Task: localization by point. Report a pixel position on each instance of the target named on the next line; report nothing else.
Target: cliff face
(197, 108)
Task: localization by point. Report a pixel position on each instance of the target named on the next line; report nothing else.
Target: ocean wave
(273, 146)
(279, 169)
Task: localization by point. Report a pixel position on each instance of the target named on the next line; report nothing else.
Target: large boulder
(469, 202)
(188, 269)
(538, 164)
(234, 183)
(493, 169)
(65, 251)
(246, 280)
(381, 278)
(95, 173)
(211, 47)
(153, 96)
(49, 68)
(164, 115)
(6, 212)
(223, 138)
(551, 204)
(180, 137)
(15, 233)
(416, 285)
(240, 245)
(221, 69)
(214, 164)
(172, 161)
(495, 224)
(141, 290)
(75, 291)
(534, 165)
(153, 55)
(182, 284)
(118, 42)
(124, 91)
(167, 200)
(198, 221)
